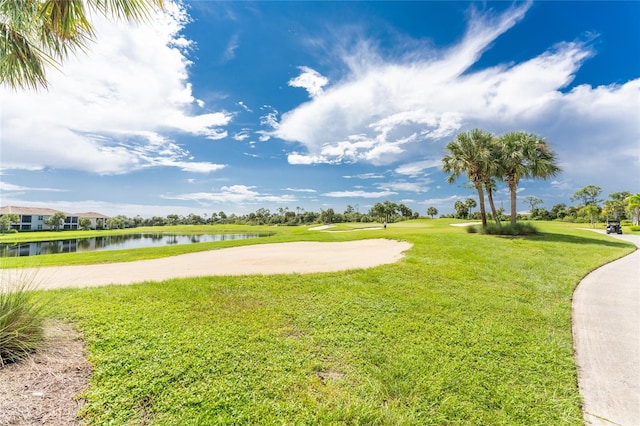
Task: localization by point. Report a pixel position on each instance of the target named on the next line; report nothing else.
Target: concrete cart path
(606, 333)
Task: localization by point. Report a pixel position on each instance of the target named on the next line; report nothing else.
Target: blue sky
(237, 106)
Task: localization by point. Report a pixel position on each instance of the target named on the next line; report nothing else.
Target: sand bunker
(281, 258)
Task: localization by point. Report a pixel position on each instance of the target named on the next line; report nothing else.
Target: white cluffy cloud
(310, 80)
(386, 111)
(113, 109)
(233, 194)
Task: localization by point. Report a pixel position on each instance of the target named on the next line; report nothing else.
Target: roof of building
(41, 211)
(92, 215)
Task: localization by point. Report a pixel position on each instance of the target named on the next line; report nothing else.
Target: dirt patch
(43, 388)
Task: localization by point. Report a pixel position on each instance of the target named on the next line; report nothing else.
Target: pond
(114, 242)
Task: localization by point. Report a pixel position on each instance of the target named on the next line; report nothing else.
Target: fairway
(464, 329)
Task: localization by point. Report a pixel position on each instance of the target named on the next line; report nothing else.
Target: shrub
(514, 230)
(21, 320)
(635, 228)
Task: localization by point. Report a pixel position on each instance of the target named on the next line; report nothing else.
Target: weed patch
(21, 319)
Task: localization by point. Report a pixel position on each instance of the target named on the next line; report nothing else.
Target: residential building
(35, 218)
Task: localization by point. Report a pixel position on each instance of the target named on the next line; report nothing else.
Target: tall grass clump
(516, 229)
(21, 319)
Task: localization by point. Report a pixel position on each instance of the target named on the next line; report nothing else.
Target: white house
(34, 218)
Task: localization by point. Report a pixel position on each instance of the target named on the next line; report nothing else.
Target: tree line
(386, 211)
(589, 208)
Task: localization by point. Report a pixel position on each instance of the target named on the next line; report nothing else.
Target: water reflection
(115, 242)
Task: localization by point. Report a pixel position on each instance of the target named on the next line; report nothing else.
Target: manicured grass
(467, 329)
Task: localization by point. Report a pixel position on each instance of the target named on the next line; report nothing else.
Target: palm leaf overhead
(35, 34)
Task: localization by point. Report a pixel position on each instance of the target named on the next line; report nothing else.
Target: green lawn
(467, 329)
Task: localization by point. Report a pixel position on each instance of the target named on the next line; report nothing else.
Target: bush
(635, 228)
(518, 229)
(21, 320)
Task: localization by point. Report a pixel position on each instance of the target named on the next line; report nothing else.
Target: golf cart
(613, 227)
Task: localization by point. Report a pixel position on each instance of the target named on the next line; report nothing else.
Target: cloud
(366, 176)
(413, 186)
(107, 110)
(359, 194)
(242, 135)
(235, 194)
(111, 208)
(388, 110)
(230, 51)
(300, 190)
(310, 80)
(417, 168)
(244, 106)
(381, 106)
(5, 186)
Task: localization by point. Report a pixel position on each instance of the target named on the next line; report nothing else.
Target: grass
(467, 329)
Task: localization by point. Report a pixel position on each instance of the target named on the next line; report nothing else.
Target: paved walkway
(606, 332)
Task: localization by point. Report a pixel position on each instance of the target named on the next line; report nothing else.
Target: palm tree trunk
(513, 188)
(483, 213)
(494, 212)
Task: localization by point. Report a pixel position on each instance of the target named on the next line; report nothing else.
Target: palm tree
(524, 155)
(470, 153)
(38, 33)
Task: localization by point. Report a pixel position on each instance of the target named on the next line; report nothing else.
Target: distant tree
(471, 204)
(328, 215)
(616, 204)
(173, 219)
(156, 221)
(56, 220)
(84, 223)
(432, 211)
(592, 211)
(558, 211)
(462, 211)
(138, 221)
(405, 211)
(588, 195)
(117, 222)
(416, 215)
(378, 211)
(541, 213)
(533, 202)
(633, 206)
(262, 215)
(194, 219)
(6, 220)
(390, 210)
